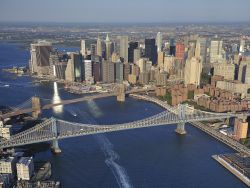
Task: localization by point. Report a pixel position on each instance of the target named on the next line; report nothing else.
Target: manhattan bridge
(54, 129)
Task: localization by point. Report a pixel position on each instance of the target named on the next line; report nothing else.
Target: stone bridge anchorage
(55, 129)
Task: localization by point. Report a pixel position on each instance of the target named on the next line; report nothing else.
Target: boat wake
(107, 148)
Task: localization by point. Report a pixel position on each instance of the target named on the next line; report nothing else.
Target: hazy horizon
(129, 11)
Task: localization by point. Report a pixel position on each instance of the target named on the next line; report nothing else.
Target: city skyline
(158, 11)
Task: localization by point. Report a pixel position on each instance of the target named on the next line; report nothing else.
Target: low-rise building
(7, 165)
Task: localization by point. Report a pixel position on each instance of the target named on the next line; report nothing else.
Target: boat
(6, 85)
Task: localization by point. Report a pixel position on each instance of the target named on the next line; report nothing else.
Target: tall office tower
(244, 72)
(118, 72)
(93, 49)
(124, 48)
(53, 60)
(108, 72)
(203, 50)
(193, 68)
(113, 47)
(234, 48)
(108, 48)
(242, 46)
(115, 57)
(180, 51)
(159, 41)
(131, 48)
(172, 46)
(74, 70)
(169, 62)
(83, 48)
(126, 70)
(99, 47)
(224, 69)
(59, 70)
(215, 50)
(39, 62)
(160, 59)
(88, 71)
(151, 50)
(97, 71)
(137, 55)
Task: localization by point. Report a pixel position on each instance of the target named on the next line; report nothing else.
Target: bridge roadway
(209, 130)
(71, 101)
(54, 129)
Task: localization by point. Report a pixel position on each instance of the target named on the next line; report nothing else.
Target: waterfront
(150, 157)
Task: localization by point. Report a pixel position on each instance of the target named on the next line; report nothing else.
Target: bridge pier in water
(55, 146)
(36, 107)
(180, 129)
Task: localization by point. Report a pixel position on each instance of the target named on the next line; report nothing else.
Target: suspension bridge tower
(181, 126)
(36, 107)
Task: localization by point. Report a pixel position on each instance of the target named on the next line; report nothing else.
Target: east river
(148, 157)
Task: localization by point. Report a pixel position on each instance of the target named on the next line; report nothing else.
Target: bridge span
(55, 129)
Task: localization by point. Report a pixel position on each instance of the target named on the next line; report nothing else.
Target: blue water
(148, 157)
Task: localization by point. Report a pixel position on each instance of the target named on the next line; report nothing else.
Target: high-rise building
(151, 50)
(74, 70)
(108, 72)
(172, 46)
(159, 41)
(59, 70)
(137, 55)
(88, 71)
(39, 62)
(83, 48)
(160, 59)
(118, 72)
(193, 68)
(225, 69)
(108, 48)
(124, 48)
(203, 50)
(97, 72)
(99, 47)
(215, 50)
(132, 47)
(180, 51)
(126, 70)
(244, 72)
(53, 59)
(7, 165)
(93, 49)
(242, 46)
(25, 168)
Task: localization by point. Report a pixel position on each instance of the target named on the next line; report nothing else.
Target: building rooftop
(25, 161)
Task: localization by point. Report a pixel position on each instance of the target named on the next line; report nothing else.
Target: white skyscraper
(88, 71)
(124, 48)
(215, 50)
(159, 41)
(108, 48)
(193, 68)
(242, 46)
(99, 47)
(83, 48)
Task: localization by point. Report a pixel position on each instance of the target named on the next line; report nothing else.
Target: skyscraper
(137, 55)
(93, 49)
(108, 72)
(39, 62)
(99, 47)
(124, 48)
(88, 71)
(242, 46)
(83, 48)
(172, 46)
(180, 51)
(126, 70)
(215, 50)
(74, 70)
(159, 41)
(193, 68)
(151, 50)
(108, 48)
(132, 47)
(118, 72)
(97, 71)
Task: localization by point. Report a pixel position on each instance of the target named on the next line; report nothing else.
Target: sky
(125, 11)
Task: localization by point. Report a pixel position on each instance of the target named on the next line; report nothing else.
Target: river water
(148, 157)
